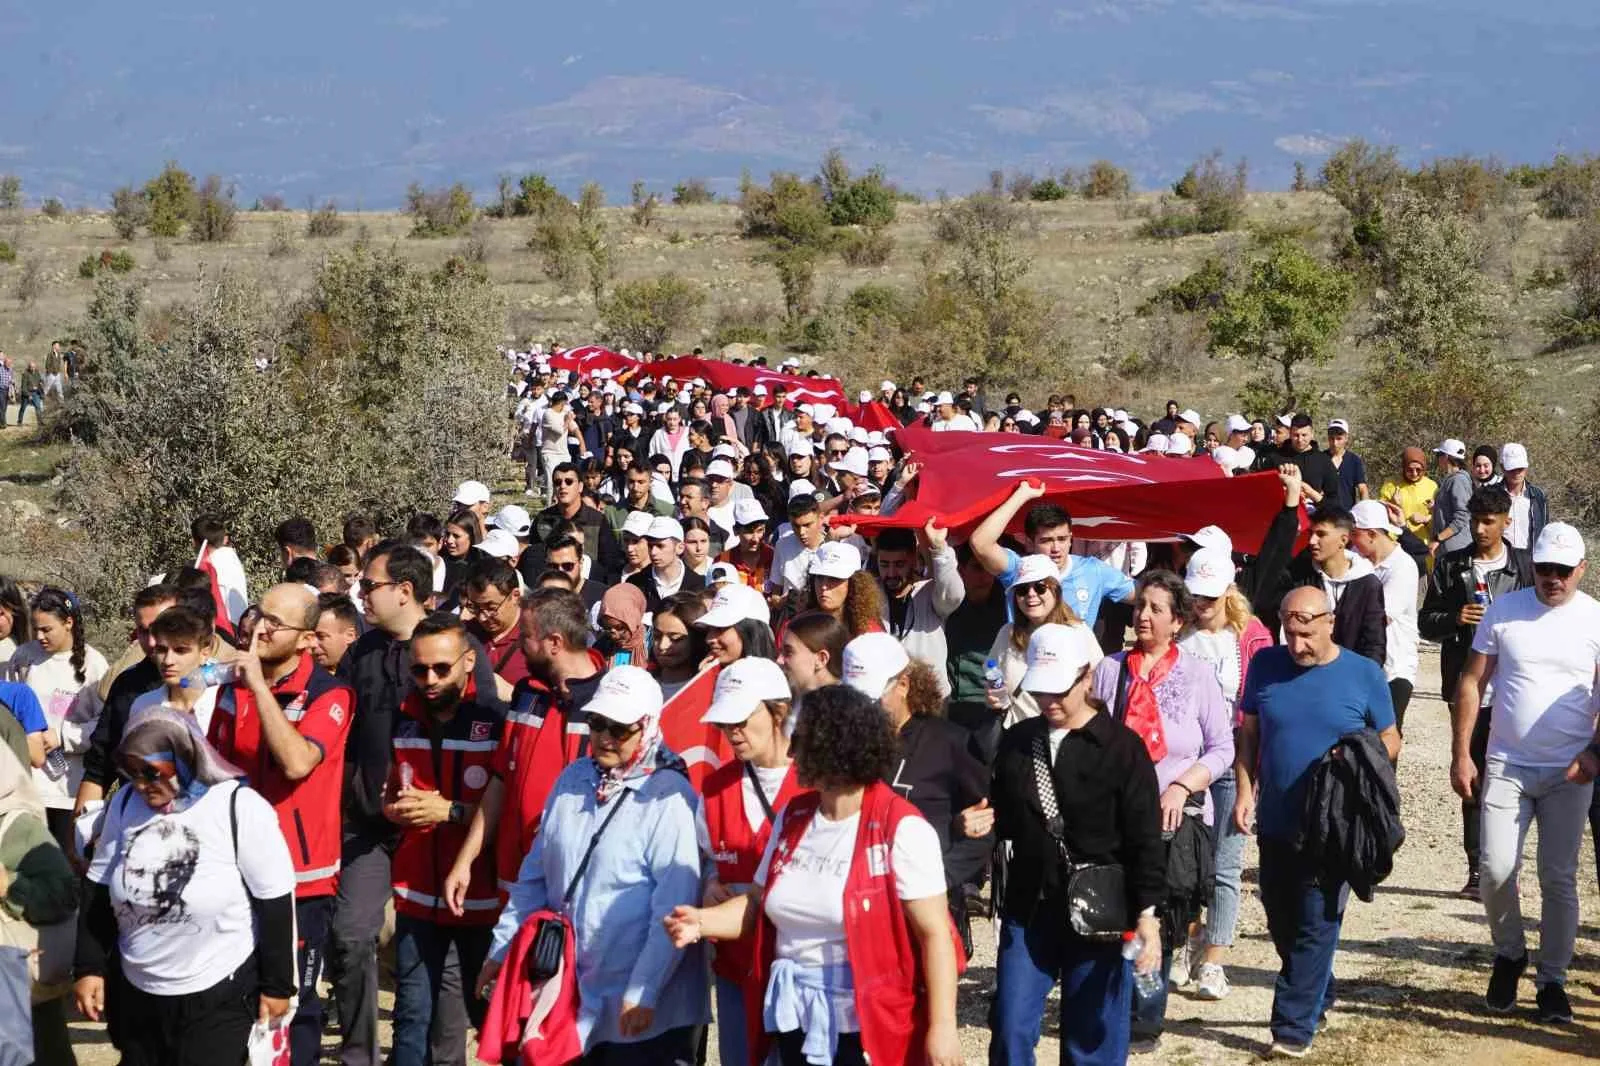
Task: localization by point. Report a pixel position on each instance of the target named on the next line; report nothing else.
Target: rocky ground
(1412, 964)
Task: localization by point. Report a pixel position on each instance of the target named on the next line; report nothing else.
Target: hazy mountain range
(355, 100)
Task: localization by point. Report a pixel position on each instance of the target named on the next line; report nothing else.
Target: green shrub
(215, 214)
(118, 262)
(89, 266)
(643, 315)
(1471, 186)
(10, 192)
(866, 248)
(1215, 201)
(692, 192)
(30, 284)
(1572, 188)
(1202, 290)
(280, 244)
(644, 205)
(53, 209)
(441, 212)
(872, 301)
(864, 201)
(170, 197)
(788, 210)
(130, 209)
(1106, 181)
(325, 221)
(1048, 191)
(8, 254)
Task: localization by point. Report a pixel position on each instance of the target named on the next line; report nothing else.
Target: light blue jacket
(647, 863)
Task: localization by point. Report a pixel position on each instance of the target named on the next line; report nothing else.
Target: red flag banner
(1110, 496)
(874, 416)
(723, 376)
(703, 747)
(591, 357)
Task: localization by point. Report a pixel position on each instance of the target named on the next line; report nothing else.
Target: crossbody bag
(550, 942)
(1097, 893)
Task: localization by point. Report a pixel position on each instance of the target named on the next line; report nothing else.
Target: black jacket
(1450, 588)
(1358, 622)
(645, 582)
(1351, 828)
(1316, 469)
(1110, 814)
(939, 771)
(599, 542)
(380, 675)
(99, 762)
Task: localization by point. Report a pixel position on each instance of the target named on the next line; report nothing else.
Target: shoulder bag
(550, 942)
(1097, 894)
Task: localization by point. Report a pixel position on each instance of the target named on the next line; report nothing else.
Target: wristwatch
(458, 813)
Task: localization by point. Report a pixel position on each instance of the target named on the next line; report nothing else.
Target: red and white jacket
(736, 849)
(319, 707)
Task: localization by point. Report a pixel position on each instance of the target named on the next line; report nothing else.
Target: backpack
(49, 948)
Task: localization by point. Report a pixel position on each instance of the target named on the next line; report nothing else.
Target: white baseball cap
(1338, 425)
(664, 528)
(512, 519)
(945, 398)
(1210, 572)
(1033, 568)
(500, 544)
(721, 468)
(1451, 447)
(879, 454)
(823, 412)
(887, 386)
(806, 409)
(1156, 442)
(1055, 659)
(637, 523)
(923, 408)
(759, 390)
(854, 462)
(1286, 421)
(876, 439)
(732, 605)
(471, 493)
(1558, 543)
(748, 511)
(801, 487)
(626, 694)
(871, 661)
(725, 451)
(1180, 444)
(1213, 537)
(1190, 416)
(1370, 514)
(722, 573)
(836, 559)
(801, 447)
(841, 426)
(865, 396)
(742, 687)
(858, 435)
(1238, 424)
(1513, 456)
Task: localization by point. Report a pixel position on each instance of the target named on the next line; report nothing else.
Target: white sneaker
(1184, 960)
(1211, 981)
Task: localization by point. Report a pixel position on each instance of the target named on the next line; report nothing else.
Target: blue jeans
(420, 948)
(1096, 985)
(731, 1041)
(1149, 1015)
(26, 400)
(1304, 922)
(1222, 916)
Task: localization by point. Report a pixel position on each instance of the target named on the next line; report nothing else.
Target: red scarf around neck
(1140, 712)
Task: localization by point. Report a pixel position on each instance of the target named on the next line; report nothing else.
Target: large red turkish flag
(1110, 496)
(703, 747)
(723, 376)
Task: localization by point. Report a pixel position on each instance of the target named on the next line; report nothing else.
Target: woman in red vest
(855, 957)
(736, 813)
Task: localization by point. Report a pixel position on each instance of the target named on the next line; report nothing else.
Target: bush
(867, 248)
(788, 210)
(8, 254)
(1203, 290)
(1021, 186)
(475, 249)
(1215, 197)
(643, 315)
(170, 197)
(1471, 186)
(571, 242)
(742, 324)
(865, 201)
(439, 212)
(281, 244)
(1579, 322)
(324, 221)
(870, 301)
(533, 195)
(215, 214)
(644, 205)
(796, 268)
(1572, 188)
(1106, 181)
(1435, 301)
(692, 192)
(1302, 183)
(163, 249)
(53, 209)
(129, 211)
(1048, 191)
(271, 202)
(10, 192)
(118, 262)
(89, 266)
(30, 283)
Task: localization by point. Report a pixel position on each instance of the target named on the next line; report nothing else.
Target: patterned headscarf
(172, 743)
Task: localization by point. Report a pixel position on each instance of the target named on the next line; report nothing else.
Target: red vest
(884, 961)
(319, 707)
(736, 849)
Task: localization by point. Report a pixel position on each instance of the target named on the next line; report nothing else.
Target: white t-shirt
(1521, 525)
(179, 890)
(203, 708)
(791, 564)
(958, 421)
(1543, 676)
(1399, 577)
(807, 904)
(71, 709)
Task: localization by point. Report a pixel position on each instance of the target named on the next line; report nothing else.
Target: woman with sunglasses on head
(854, 955)
(1226, 635)
(191, 904)
(1035, 601)
(16, 620)
(64, 672)
(1171, 698)
(629, 808)
(739, 803)
(677, 645)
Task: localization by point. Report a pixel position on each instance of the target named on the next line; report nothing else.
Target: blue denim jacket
(647, 863)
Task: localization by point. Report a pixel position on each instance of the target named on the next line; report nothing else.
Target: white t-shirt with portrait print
(180, 893)
(806, 906)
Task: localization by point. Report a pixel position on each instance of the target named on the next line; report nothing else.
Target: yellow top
(1415, 500)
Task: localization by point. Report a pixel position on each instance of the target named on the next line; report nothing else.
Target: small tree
(644, 205)
(788, 210)
(1361, 177)
(171, 196)
(215, 213)
(796, 267)
(130, 209)
(1435, 301)
(1048, 191)
(1579, 322)
(10, 192)
(1282, 317)
(439, 212)
(324, 221)
(691, 192)
(1571, 188)
(53, 208)
(644, 315)
(1302, 183)
(30, 283)
(1106, 181)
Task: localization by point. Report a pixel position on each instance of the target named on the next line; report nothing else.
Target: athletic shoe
(1502, 994)
(1185, 961)
(1211, 981)
(1470, 889)
(1552, 1004)
(1144, 1045)
(1283, 1049)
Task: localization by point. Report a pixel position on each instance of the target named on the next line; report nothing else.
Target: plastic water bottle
(210, 673)
(1145, 985)
(994, 679)
(55, 764)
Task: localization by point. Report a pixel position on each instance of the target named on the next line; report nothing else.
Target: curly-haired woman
(837, 585)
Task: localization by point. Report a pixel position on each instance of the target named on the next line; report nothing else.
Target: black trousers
(1479, 749)
(1400, 694)
(312, 919)
(849, 1053)
(675, 1047)
(208, 1028)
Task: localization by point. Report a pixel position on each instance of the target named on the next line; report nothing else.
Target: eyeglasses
(144, 775)
(838, 453)
(367, 585)
(486, 608)
(566, 568)
(422, 671)
(605, 727)
(564, 481)
(270, 626)
(1033, 588)
(1553, 570)
(1305, 618)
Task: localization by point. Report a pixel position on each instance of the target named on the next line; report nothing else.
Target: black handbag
(550, 942)
(1097, 893)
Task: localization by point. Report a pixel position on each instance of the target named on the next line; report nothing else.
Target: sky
(353, 102)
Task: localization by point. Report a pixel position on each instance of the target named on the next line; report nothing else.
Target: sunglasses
(368, 586)
(832, 454)
(1035, 588)
(422, 671)
(1305, 618)
(144, 775)
(566, 481)
(1553, 570)
(605, 727)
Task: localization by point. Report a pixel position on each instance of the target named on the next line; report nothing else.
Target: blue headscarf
(171, 742)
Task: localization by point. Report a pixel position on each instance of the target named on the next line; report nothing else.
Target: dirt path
(1412, 964)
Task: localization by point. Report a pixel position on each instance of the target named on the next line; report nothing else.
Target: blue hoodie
(647, 863)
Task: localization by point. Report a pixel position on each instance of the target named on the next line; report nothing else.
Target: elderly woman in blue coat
(640, 1000)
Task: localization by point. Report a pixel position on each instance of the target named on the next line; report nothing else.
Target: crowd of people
(471, 717)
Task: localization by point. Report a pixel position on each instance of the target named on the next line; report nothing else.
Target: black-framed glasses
(368, 586)
(1036, 588)
(566, 568)
(564, 481)
(270, 625)
(422, 671)
(1553, 570)
(1305, 618)
(486, 608)
(837, 453)
(605, 727)
(144, 775)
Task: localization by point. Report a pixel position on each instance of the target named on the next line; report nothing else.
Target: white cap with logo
(1190, 416)
(732, 605)
(512, 519)
(1055, 659)
(500, 544)
(748, 511)
(1451, 447)
(664, 528)
(1031, 568)
(871, 661)
(637, 523)
(1513, 456)
(1238, 424)
(1560, 544)
(1209, 573)
(742, 687)
(835, 559)
(721, 468)
(1371, 514)
(626, 694)
(1214, 537)
(471, 493)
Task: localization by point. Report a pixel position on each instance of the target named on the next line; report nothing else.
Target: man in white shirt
(1376, 539)
(948, 417)
(1539, 647)
(667, 575)
(1529, 507)
(719, 512)
(794, 550)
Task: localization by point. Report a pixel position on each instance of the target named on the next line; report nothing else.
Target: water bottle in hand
(1145, 985)
(209, 674)
(994, 680)
(55, 764)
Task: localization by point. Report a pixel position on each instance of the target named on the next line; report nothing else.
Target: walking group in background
(697, 742)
